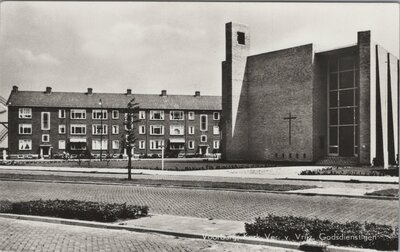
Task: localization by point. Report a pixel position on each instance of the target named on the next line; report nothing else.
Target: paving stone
(225, 205)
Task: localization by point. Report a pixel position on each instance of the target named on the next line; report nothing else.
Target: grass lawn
(385, 192)
(162, 182)
(175, 165)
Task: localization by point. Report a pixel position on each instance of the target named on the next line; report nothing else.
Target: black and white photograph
(199, 126)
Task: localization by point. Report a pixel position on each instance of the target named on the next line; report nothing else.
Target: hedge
(352, 234)
(74, 209)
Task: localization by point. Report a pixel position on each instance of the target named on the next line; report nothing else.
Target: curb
(233, 239)
(206, 188)
(341, 181)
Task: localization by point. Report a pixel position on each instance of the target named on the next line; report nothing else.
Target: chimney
(197, 93)
(48, 90)
(129, 91)
(90, 91)
(15, 89)
(163, 92)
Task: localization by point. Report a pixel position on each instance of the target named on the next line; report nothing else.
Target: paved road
(228, 205)
(18, 235)
(367, 187)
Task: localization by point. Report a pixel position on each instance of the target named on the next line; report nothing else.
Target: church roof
(113, 100)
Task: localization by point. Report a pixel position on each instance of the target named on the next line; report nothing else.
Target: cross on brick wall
(290, 118)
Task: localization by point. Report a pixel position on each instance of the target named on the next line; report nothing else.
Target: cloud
(27, 57)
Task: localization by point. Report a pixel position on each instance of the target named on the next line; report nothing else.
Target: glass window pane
(346, 79)
(333, 134)
(333, 81)
(333, 117)
(346, 63)
(333, 99)
(346, 98)
(333, 64)
(346, 116)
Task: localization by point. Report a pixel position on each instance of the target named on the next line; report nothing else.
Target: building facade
(300, 105)
(48, 124)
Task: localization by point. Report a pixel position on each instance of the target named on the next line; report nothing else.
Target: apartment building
(49, 124)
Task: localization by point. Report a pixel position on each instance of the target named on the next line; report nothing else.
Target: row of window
(26, 113)
(98, 129)
(26, 144)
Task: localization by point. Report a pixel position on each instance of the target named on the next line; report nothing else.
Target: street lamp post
(101, 126)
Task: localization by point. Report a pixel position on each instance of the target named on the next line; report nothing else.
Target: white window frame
(142, 129)
(115, 129)
(96, 113)
(44, 136)
(152, 127)
(201, 138)
(181, 129)
(25, 141)
(116, 114)
(23, 126)
(161, 112)
(95, 128)
(201, 128)
(181, 116)
(73, 113)
(61, 144)
(216, 144)
(191, 144)
(60, 127)
(142, 144)
(191, 115)
(153, 144)
(115, 145)
(25, 113)
(96, 144)
(216, 130)
(42, 121)
(142, 114)
(61, 113)
(78, 126)
(191, 130)
(218, 116)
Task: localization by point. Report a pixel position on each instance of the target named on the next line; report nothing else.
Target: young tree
(129, 135)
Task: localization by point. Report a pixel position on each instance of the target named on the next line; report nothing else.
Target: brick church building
(300, 105)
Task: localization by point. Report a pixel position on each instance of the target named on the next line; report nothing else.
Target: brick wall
(281, 83)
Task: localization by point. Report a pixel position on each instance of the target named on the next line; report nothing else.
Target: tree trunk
(129, 165)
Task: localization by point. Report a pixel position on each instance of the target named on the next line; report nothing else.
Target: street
(217, 204)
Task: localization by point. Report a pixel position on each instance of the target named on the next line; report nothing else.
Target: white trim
(74, 112)
(191, 115)
(61, 113)
(161, 112)
(42, 121)
(23, 115)
(44, 136)
(97, 114)
(23, 126)
(62, 126)
(61, 144)
(206, 122)
(112, 114)
(25, 141)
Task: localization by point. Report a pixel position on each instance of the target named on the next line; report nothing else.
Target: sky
(147, 47)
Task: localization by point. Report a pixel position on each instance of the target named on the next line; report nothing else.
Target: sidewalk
(197, 229)
(288, 172)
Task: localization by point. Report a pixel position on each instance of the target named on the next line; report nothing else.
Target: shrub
(74, 209)
(367, 235)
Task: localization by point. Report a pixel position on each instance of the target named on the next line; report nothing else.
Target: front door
(346, 141)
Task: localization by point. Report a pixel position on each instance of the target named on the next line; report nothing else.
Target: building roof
(112, 100)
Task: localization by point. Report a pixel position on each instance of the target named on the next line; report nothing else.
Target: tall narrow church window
(342, 106)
